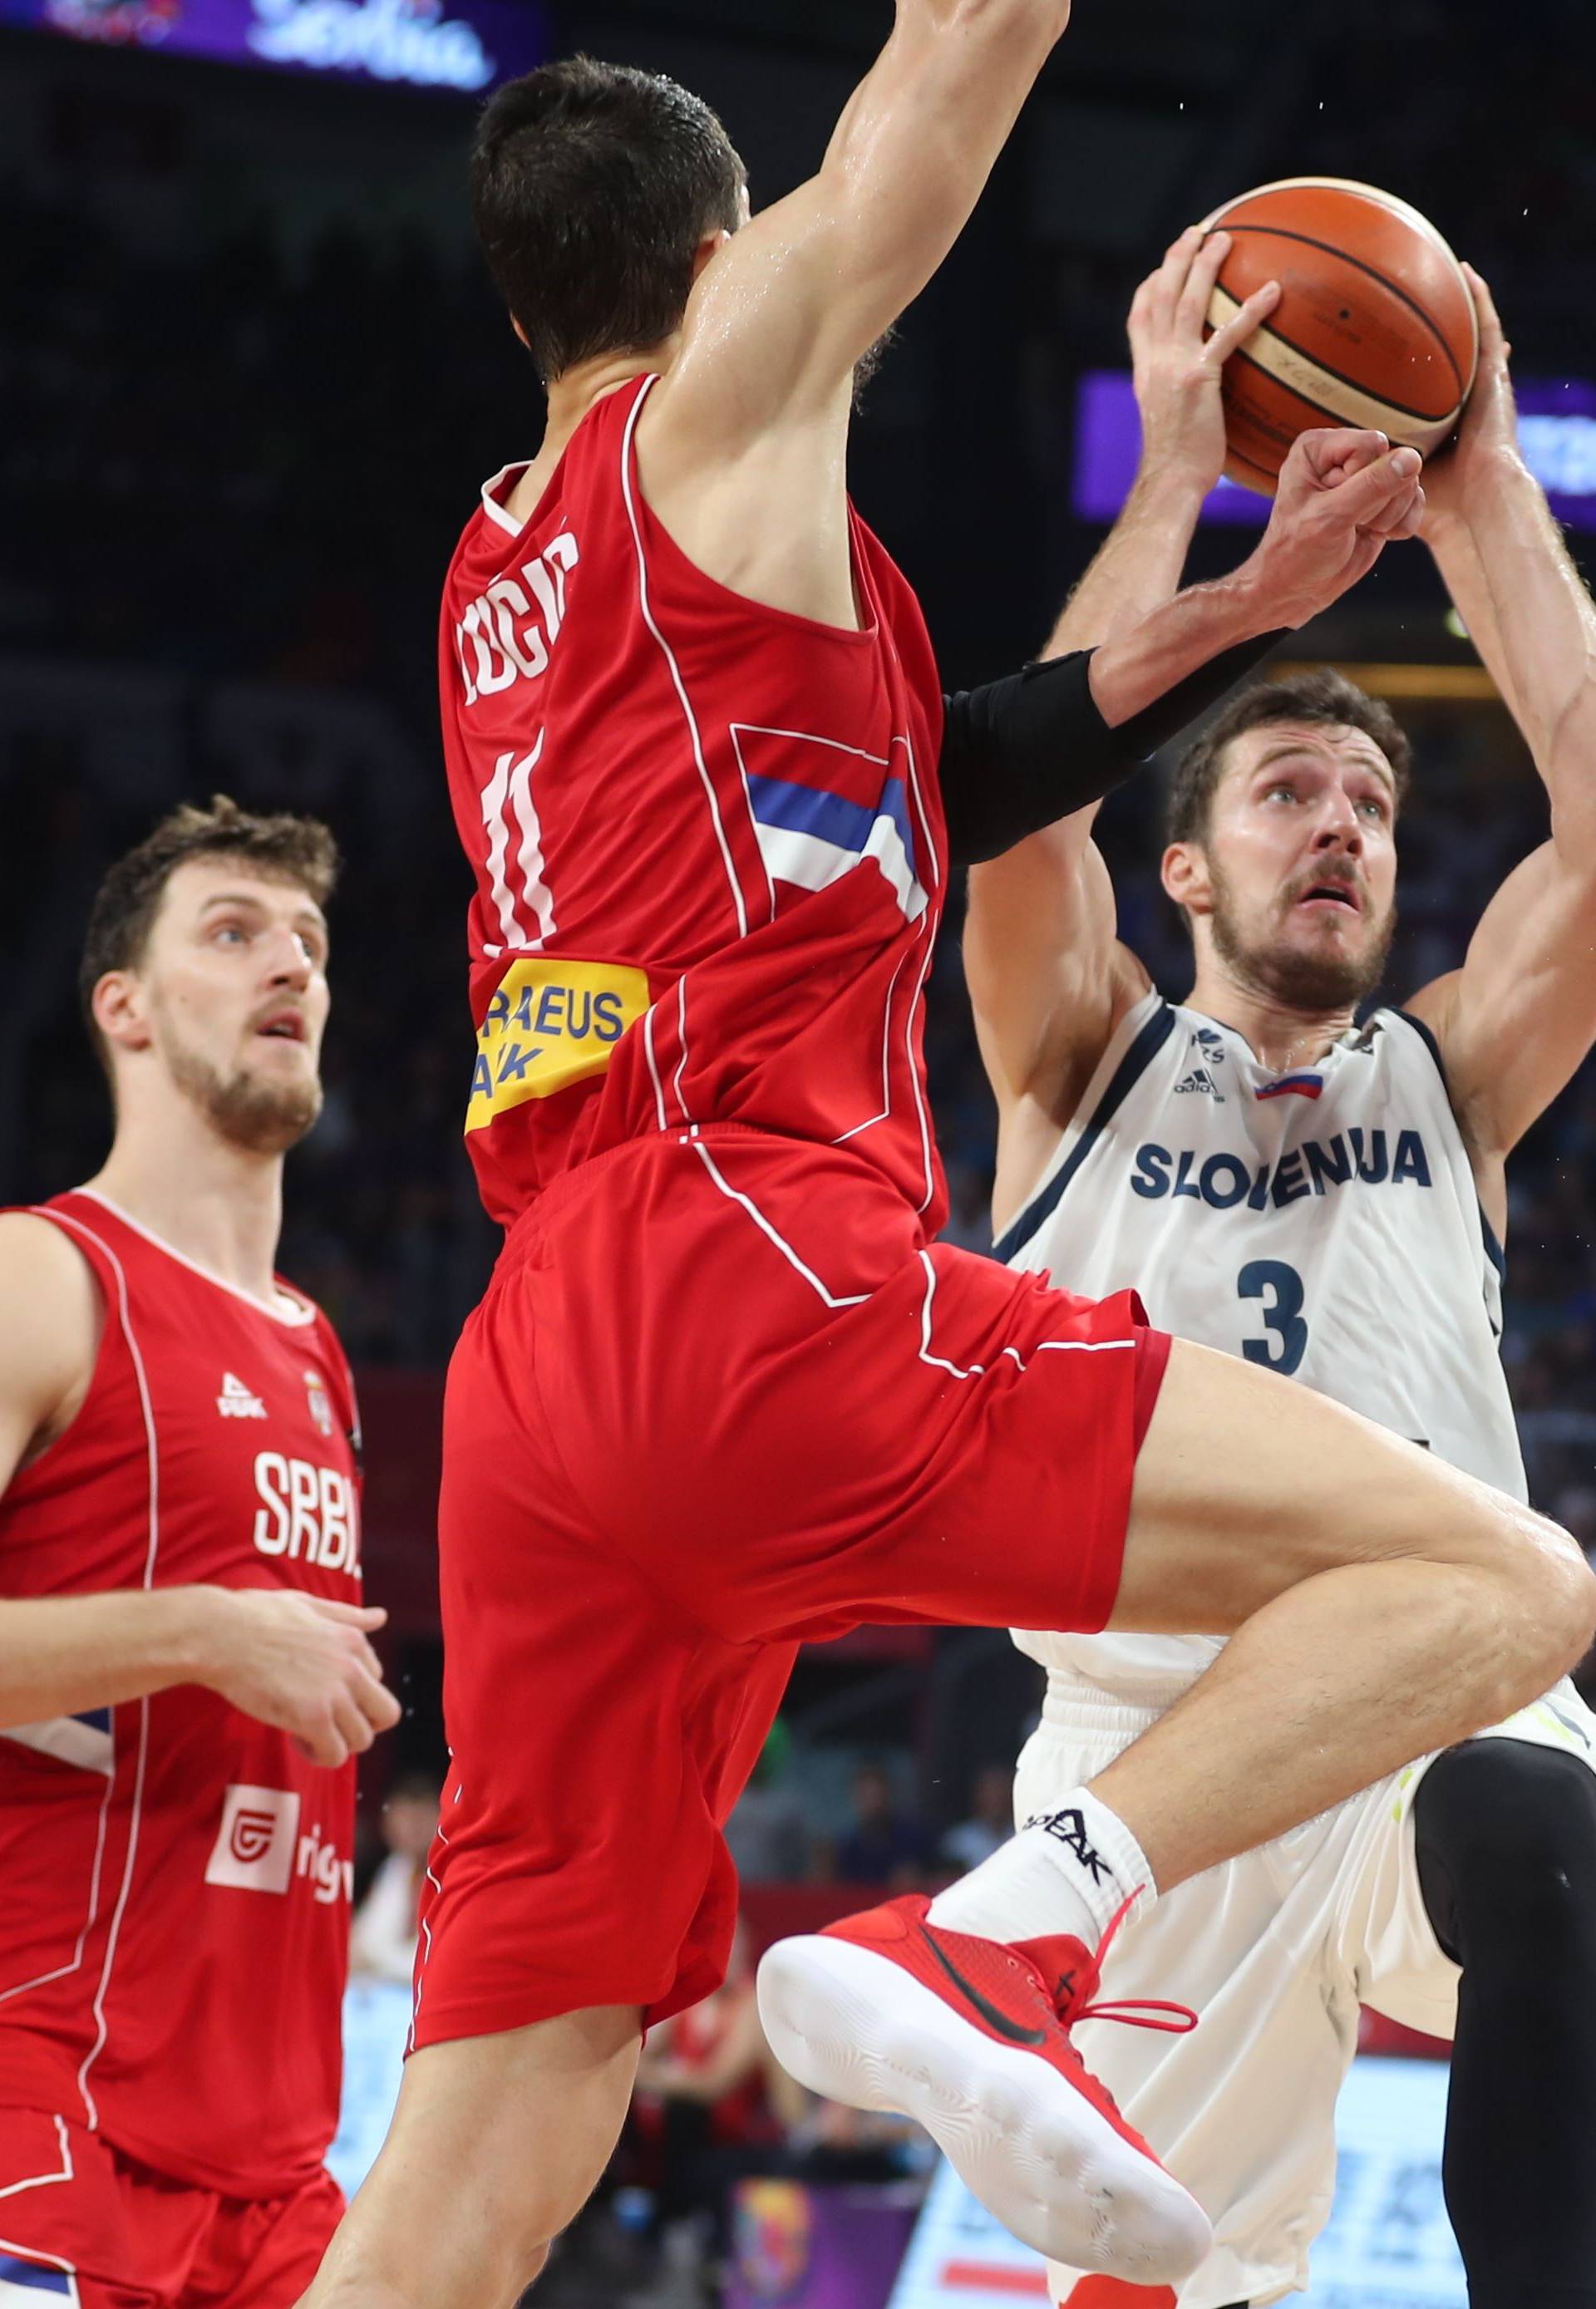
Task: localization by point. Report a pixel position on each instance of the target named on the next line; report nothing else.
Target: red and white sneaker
(971, 2038)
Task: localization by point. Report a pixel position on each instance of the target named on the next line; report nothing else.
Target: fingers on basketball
(1376, 324)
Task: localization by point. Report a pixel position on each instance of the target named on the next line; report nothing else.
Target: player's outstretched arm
(1520, 1015)
(1048, 977)
(292, 1660)
(793, 301)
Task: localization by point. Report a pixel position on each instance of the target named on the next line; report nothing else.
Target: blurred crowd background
(250, 379)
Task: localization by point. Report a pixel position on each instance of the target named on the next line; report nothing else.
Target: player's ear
(121, 1010)
(1184, 872)
(710, 246)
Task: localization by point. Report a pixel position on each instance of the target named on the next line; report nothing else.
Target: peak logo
(237, 1401)
(259, 1848)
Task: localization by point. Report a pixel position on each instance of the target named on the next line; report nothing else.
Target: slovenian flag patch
(1304, 1086)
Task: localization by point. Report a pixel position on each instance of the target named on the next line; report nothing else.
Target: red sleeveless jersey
(708, 838)
(174, 1933)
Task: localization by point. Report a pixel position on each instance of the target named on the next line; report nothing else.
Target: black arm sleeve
(1024, 752)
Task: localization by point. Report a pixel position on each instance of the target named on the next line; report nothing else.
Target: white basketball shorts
(1275, 1952)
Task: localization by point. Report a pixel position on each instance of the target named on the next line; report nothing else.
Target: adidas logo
(236, 1402)
(1200, 1079)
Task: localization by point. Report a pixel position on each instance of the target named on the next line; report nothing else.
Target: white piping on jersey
(736, 731)
(682, 1038)
(659, 1088)
(492, 508)
(415, 2009)
(153, 1549)
(977, 1370)
(670, 656)
(764, 1227)
(886, 1061)
(294, 1315)
(66, 2171)
(908, 1044)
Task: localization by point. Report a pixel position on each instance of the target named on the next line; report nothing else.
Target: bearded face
(226, 1009)
(1287, 958)
(1291, 888)
(246, 1106)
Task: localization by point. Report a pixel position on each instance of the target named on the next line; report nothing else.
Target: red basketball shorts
(82, 2226)
(721, 1397)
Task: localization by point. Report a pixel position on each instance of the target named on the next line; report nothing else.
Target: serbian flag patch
(27, 2284)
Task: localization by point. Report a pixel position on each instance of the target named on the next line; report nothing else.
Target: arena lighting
(1556, 434)
(460, 46)
(1471, 683)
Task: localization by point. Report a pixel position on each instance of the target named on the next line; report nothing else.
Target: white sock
(1067, 1870)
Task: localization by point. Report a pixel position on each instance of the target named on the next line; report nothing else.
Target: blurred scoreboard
(1556, 434)
(459, 45)
(1389, 2245)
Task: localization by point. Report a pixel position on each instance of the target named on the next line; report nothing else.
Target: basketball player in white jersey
(1327, 1200)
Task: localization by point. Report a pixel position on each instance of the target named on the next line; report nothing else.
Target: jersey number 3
(1281, 1288)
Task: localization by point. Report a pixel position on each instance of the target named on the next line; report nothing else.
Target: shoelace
(1159, 2012)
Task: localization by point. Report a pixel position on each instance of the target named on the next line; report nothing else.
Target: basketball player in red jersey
(726, 1390)
(186, 1673)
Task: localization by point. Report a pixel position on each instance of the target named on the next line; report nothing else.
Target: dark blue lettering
(1260, 1194)
(1371, 1171)
(499, 1007)
(609, 1017)
(482, 1079)
(549, 1018)
(513, 1064)
(523, 1010)
(1329, 1164)
(1283, 1318)
(578, 1023)
(1183, 1176)
(1150, 1178)
(1236, 1174)
(1411, 1162)
(1290, 1186)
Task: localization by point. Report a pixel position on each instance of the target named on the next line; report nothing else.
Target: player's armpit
(1049, 982)
(1517, 1020)
(50, 1320)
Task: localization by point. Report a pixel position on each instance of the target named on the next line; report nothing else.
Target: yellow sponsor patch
(550, 1022)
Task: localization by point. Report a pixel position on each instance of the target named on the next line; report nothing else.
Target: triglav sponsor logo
(253, 1849)
(392, 39)
(259, 1848)
(252, 1835)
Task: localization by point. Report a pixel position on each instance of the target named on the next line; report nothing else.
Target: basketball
(1375, 327)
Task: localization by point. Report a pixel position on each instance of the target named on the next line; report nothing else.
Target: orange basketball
(1375, 327)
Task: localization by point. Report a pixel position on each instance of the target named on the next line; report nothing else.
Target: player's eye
(223, 931)
(1374, 808)
(1275, 791)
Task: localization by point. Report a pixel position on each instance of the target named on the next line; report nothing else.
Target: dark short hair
(1323, 696)
(284, 848)
(592, 187)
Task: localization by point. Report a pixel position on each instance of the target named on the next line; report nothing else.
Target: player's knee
(1506, 1839)
(1551, 1614)
(1562, 1589)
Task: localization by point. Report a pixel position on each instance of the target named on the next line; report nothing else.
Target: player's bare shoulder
(51, 1315)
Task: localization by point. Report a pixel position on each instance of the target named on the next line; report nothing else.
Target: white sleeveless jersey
(1324, 1223)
